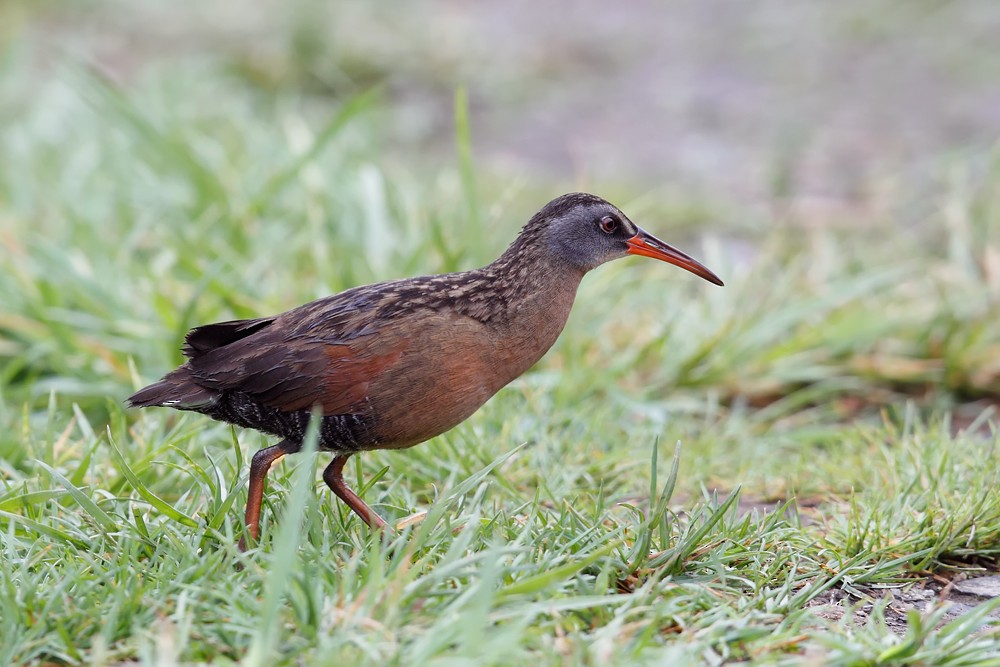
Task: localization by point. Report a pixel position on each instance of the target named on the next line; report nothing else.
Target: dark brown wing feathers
(211, 336)
(327, 352)
(290, 366)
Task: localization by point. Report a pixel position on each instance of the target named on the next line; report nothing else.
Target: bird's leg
(334, 478)
(259, 467)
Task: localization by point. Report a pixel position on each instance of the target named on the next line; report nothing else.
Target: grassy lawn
(800, 468)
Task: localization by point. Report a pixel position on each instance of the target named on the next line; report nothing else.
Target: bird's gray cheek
(570, 251)
(613, 251)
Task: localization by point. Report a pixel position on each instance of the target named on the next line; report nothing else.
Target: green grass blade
(100, 516)
(158, 503)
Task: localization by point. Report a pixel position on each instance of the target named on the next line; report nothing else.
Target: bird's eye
(609, 225)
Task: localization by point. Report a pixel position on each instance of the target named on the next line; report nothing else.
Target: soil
(961, 594)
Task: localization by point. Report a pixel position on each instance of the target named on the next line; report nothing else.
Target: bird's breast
(452, 364)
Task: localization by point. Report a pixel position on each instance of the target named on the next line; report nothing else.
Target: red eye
(608, 225)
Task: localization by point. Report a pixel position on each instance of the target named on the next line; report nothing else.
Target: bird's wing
(203, 339)
(325, 353)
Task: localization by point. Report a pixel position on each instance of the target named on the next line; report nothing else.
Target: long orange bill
(647, 245)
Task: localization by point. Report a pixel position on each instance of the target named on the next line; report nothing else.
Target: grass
(505, 566)
(838, 447)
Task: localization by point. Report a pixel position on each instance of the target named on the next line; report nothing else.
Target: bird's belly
(425, 418)
(419, 406)
(442, 377)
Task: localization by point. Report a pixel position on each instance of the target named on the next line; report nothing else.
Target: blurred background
(831, 106)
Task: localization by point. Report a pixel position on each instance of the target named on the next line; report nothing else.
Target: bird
(394, 364)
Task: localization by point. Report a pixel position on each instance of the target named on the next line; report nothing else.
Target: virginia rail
(393, 364)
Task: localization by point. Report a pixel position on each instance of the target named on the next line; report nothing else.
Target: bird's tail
(176, 390)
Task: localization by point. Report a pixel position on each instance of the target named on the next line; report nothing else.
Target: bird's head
(586, 231)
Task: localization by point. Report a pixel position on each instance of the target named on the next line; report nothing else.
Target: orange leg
(334, 478)
(259, 467)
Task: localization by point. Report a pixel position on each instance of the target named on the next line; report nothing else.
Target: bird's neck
(529, 273)
(532, 258)
(538, 291)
